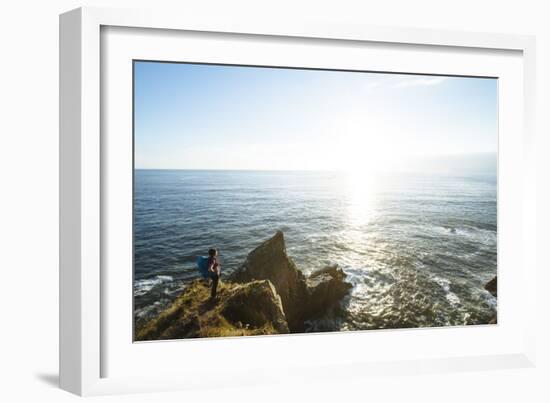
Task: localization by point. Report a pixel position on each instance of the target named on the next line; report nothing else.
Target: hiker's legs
(215, 279)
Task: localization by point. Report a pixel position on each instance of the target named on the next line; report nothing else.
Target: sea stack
(303, 298)
(269, 261)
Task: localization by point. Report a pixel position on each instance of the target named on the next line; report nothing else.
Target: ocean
(417, 248)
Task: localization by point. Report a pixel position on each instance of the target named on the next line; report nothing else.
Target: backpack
(202, 265)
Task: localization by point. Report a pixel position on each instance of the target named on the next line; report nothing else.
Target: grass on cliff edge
(193, 315)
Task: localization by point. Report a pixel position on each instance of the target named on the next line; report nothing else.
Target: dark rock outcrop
(326, 287)
(269, 261)
(491, 286)
(303, 298)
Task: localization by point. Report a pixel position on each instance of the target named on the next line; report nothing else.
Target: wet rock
(326, 288)
(491, 286)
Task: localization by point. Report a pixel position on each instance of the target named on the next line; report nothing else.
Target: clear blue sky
(190, 116)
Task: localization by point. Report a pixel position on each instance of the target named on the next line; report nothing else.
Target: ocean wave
(446, 285)
(143, 286)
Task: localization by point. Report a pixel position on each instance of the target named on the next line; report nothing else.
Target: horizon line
(343, 171)
(316, 169)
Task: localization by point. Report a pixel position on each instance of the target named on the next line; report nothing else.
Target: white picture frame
(86, 346)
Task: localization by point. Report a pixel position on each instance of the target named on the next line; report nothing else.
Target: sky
(192, 116)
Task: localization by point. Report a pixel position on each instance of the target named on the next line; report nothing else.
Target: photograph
(280, 200)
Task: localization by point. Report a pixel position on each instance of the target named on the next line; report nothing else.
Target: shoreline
(269, 262)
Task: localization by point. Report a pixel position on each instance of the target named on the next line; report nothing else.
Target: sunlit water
(417, 248)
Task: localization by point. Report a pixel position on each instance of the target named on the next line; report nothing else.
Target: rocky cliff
(303, 298)
(268, 294)
(269, 261)
(241, 309)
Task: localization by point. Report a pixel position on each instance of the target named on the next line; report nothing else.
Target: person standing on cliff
(214, 270)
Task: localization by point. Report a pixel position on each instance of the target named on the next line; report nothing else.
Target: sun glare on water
(360, 194)
(366, 154)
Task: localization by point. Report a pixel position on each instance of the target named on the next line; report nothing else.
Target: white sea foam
(480, 235)
(484, 236)
(446, 285)
(489, 298)
(142, 287)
